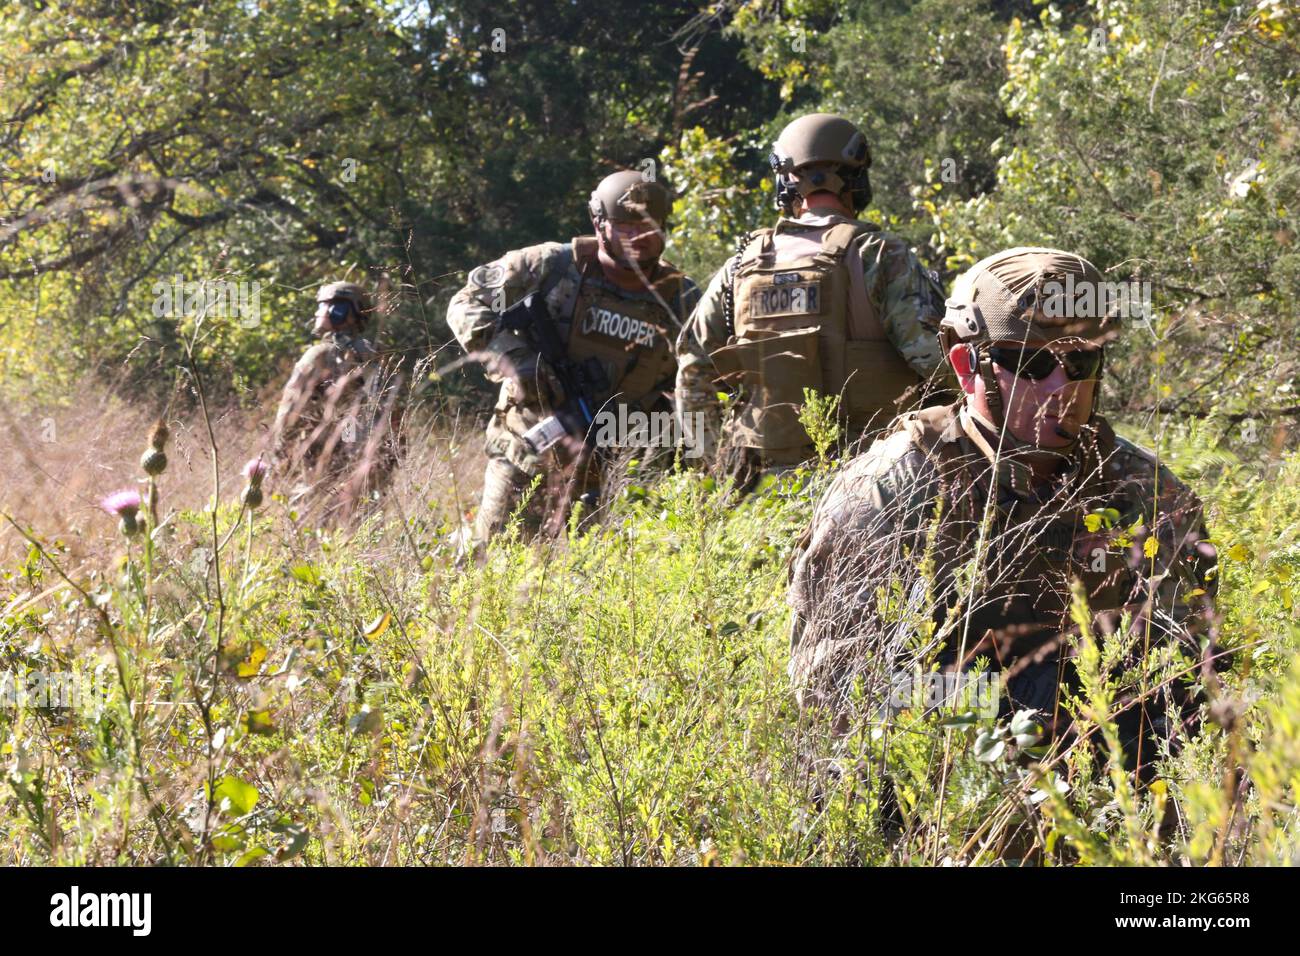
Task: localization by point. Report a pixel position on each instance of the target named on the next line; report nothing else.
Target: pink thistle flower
(122, 503)
(125, 505)
(255, 470)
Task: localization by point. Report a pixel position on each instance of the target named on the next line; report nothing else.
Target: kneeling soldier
(995, 519)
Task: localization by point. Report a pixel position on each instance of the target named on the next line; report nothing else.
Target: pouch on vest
(874, 374)
(775, 368)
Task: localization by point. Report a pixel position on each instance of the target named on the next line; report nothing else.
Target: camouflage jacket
(907, 297)
(336, 394)
(557, 271)
(910, 553)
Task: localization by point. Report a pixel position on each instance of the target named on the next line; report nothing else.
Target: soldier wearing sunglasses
(337, 420)
(986, 530)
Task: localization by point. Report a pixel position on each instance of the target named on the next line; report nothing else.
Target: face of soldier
(637, 241)
(1046, 410)
(327, 317)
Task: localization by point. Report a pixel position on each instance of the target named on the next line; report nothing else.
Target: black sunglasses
(339, 311)
(1079, 365)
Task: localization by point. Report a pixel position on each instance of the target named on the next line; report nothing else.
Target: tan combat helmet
(819, 139)
(347, 292)
(1028, 294)
(629, 197)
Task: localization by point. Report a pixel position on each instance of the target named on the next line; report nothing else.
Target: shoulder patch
(527, 264)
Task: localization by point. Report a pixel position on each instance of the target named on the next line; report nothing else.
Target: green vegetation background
(354, 698)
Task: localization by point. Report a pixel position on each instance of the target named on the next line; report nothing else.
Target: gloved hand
(529, 378)
(534, 383)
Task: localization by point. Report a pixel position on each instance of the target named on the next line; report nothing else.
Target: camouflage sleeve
(1177, 583)
(297, 393)
(493, 288)
(704, 331)
(856, 586)
(910, 301)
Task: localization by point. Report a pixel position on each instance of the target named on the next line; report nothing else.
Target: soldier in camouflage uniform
(616, 306)
(979, 518)
(336, 429)
(821, 301)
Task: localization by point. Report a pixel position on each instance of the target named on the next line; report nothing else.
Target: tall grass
(270, 692)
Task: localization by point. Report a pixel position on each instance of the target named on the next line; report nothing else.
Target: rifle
(581, 381)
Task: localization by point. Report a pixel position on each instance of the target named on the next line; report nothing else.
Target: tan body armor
(631, 339)
(805, 319)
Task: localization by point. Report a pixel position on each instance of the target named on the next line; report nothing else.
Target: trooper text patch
(625, 328)
(803, 299)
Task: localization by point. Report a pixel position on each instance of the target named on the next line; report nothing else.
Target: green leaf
(307, 574)
(297, 839)
(252, 664)
(1023, 722)
(229, 838)
(259, 722)
(988, 748)
(377, 627)
(231, 793)
(256, 853)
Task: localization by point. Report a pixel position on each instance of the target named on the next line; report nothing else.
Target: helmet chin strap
(992, 391)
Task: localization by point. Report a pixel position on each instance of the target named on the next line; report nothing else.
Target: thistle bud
(154, 460)
(254, 472)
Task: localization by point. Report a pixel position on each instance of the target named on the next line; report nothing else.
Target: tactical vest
(344, 357)
(804, 319)
(1034, 550)
(345, 393)
(630, 338)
